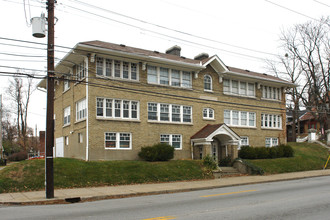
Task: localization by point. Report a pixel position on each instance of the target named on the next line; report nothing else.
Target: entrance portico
(217, 140)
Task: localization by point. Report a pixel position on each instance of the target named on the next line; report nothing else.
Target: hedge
(247, 152)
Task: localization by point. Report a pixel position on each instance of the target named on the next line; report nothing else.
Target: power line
(281, 6)
(171, 29)
(322, 3)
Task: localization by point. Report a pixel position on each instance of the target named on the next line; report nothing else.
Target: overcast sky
(242, 33)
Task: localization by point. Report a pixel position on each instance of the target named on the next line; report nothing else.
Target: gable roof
(209, 131)
(206, 131)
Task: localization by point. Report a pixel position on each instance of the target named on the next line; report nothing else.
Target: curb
(137, 194)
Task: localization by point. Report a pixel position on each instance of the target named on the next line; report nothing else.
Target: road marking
(160, 218)
(230, 193)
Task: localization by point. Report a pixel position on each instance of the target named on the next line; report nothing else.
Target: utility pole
(49, 177)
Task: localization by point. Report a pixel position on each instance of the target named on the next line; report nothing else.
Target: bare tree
(307, 62)
(19, 91)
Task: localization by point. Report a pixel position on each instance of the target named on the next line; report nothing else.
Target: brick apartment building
(111, 100)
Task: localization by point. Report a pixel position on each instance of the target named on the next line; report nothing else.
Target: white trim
(87, 118)
(118, 141)
(171, 140)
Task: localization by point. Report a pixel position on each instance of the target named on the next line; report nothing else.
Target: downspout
(87, 116)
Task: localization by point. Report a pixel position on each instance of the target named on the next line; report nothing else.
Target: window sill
(239, 126)
(118, 78)
(174, 87)
(276, 129)
(238, 95)
(66, 90)
(117, 148)
(81, 120)
(209, 91)
(209, 119)
(66, 125)
(117, 119)
(271, 100)
(174, 123)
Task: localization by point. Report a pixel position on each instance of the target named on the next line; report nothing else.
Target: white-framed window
(169, 77)
(118, 140)
(239, 118)
(244, 141)
(271, 121)
(163, 112)
(117, 108)
(271, 93)
(208, 113)
(237, 87)
(271, 142)
(66, 141)
(81, 71)
(81, 110)
(116, 69)
(174, 140)
(80, 138)
(67, 118)
(207, 83)
(66, 84)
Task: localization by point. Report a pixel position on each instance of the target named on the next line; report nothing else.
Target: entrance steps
(226, 171)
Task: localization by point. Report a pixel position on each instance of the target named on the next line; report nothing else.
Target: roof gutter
(145, 58)
(262, 79)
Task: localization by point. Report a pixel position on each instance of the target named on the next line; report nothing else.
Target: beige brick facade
(87, 137)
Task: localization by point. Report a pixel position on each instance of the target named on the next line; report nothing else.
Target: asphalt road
(298, 199)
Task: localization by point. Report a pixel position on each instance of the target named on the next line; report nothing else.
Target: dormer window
(207, 83)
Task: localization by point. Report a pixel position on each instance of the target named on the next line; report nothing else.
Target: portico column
(328, 136)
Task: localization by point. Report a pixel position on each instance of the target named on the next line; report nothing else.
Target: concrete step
(228, 171)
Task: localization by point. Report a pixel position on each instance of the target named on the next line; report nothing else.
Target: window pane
(134, 71)
(108, 67)
(117, 108)
(205, 113)
(164, 76)
(251, 89)
(242, 88)
(134, 109)
(152, 111)
(186, 114)
(99, 66)
(125, 70)
(176, 141)
(175, 78)
(226, 116)
(164, 112)
(252, 119)
(125, 109)
(268, 142)
(108, 108)
(110, 140)
(234, 86)
(152, 74)
(235, 117)
(117, 68)
(186, 79)
(124, 140)
(99, 108)
(165, 138)
(207, 82)
(176, 115)
(226, 85)
(243, 118)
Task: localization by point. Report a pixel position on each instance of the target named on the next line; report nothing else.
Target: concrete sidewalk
(111, 192)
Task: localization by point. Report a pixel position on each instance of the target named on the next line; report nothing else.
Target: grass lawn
(307, 157)
(69, 173)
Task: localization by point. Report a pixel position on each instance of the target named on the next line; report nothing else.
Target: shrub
(262, 153)
(247, 152)
(3, 162)
(254, 169)
(225, 162)
(272, 152)
(280, 151)
(22, 155)
(209, 162)
(288, 151)
(157, 152)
